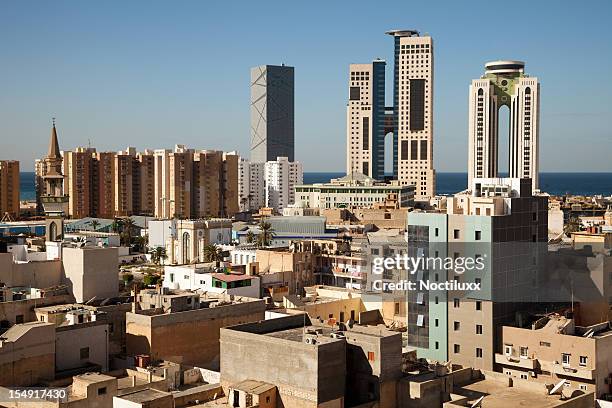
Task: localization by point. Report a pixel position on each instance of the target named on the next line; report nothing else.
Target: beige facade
(554, 349)
(78, 175)
(91, 272)
(27, 354)
(9, 188)
(414, 91)
(190, 336)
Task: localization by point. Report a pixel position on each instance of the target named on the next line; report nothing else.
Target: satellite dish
(556, 387)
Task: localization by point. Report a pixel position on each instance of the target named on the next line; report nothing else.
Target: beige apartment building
(554, 349)
(9, 188)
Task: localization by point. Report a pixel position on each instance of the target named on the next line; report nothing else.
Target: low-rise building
(554, 349)
(147, 398)
(189, 334)
(91, 272)
(354, 190)
(199, 277)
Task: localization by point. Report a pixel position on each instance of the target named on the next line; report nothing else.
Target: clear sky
(156, 73)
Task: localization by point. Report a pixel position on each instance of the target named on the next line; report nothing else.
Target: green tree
(572, 225)
(266, 233)
(212, 253)
(150, 279)
(250, 237)
(158, 255)
(95, 224)
(129, 227)
(127, 278)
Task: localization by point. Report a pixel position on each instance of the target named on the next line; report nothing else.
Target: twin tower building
(410, 120)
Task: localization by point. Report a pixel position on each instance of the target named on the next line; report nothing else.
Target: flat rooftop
(497, 395)
(299, 333)
(146, 395)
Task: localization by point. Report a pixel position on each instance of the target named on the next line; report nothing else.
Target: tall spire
(54, 151)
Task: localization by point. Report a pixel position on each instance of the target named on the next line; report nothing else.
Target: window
(565, 358)
(479, 329)
(477, 235)
(436, 232)
(456, 234)
(456, 302)
(583, 361)
(523, 376)
(478, 305)
(508, 349)
(478, 352)
(456, 325)
(397, 308)
(437, 345)
(456, 348)
(84, 353)
(583, 387)
(370, 356)
(354, 93)
(544, 344)
(420, 320)
(18, 319)
(102, 391)
(524, 352)
(436, 322)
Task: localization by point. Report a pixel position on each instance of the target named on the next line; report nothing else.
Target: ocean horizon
(555, 183)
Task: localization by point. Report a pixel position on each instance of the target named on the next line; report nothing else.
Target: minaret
(54, 201)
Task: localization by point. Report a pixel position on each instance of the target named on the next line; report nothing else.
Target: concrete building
(27, 354)
(17, 303)
(314, 365)
(504, 84)
(147, 398)
(272, 113)
(91, 272)
(413, 95)
(78, 181)
(203, 279)
(270, 184)
(501, 222)
(365, 120)
(185, 240)
(188, 333)
(281, 177)
(9, 189)
(354, 190)
(554, 349)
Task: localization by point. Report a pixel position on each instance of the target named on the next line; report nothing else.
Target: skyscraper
(365, 117)
(504, 84)
(272, 113)
(9, 189)
(413, 111)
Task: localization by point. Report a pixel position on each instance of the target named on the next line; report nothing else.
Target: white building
(199, 278)
(354, 190)
(269, 184)
(504, 84)
(414, 110)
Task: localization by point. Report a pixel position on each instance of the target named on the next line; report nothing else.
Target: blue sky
(153, 74)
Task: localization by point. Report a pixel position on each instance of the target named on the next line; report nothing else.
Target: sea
(446, 183)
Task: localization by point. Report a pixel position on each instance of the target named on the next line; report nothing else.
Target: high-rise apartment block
(366, 119)
(9, 189)
(504, 84)
(272, 113)
(195, 183)
(410, 119)
(501, 222)
(271, 184)
(413, 110)
(183, 183)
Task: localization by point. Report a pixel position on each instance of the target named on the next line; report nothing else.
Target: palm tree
(158, 254)
(250, 237)
(128, 228)
(266, 233)
(117, 225)
(211, 253)
(572, 225)
(94, 224)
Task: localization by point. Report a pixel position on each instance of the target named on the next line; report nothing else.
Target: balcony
(569, 371)
(513, 361)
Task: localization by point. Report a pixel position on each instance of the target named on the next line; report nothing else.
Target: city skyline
(150, 82)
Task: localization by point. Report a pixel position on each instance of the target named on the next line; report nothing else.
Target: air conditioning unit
(532, 373)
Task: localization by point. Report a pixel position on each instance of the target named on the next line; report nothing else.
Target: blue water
(447, 183)
(552, 183)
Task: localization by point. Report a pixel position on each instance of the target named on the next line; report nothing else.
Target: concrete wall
(91, 272)
(29, 357)
(25, 308)
(40, 274)
(305, 375)
(71, 339)
(190, 337)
